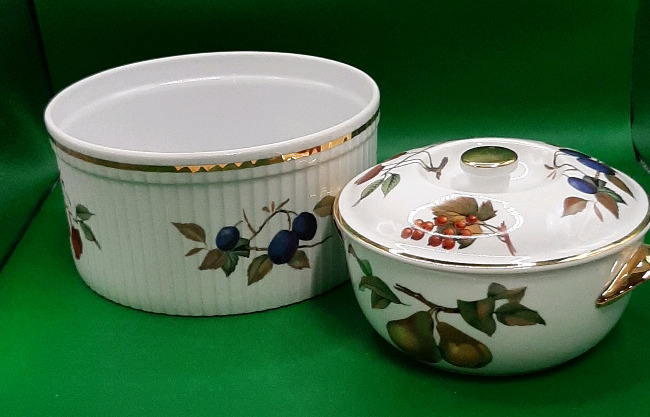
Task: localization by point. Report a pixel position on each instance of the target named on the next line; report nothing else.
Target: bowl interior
(219, 102)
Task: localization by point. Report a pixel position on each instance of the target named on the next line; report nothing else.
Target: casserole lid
(493, 203)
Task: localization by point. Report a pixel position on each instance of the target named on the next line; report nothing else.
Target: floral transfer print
(594, 190)
(389, 179)
(425, 335)
(78, 217)
(457, 223)
(285, 248)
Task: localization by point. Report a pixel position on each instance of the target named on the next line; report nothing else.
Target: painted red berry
(448, 243)
(435, 240)
(75, 239)
(449, 231)
(428, 226)
(441, 220)
(418, 222)
(417, 234)
(471, 219)
(466, 232)
(460, 224)
(407, 232)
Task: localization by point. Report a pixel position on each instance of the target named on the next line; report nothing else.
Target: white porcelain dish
(493, 256)
(179, 175)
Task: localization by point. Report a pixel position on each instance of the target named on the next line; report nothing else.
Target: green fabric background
(27, 167)
(555, 71)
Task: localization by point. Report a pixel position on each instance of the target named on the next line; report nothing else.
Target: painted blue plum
(227, 238)
(304, 225)
(582, 185)
(283, 246)
(598, 166)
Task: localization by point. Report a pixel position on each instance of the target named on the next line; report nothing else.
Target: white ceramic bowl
(493, 256)
(158, 158)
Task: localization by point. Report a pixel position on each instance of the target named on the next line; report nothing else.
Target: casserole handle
(633, 272)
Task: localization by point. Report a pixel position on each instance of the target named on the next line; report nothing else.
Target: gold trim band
(219, 167)
(336, 214)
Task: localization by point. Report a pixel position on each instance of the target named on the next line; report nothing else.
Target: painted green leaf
(463, 206)
(619, 183)
(191, 231)
(194, 251)
(478, 314)
(230, 263)
(515, 314)
(378, 302)
(363, 263)
(390, 183)
(378, 286)
(299, 260)
(214, 259)
(88, 233)
(598, 213)
(324, 207)
(82, 212)
(365, 267)
(499, 292)
(612, 193)
(368, 190)
(573, 205)
(242, 248)
(259, 268)
(486, 211)
(608, 202)
(596, 182)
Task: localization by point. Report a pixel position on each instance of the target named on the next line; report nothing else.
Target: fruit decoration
(425, 335)
(79, 217)
(388, 179)
(588, 183)
(458, 221)
(285, 248)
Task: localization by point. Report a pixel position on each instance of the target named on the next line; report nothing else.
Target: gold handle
(635, 271)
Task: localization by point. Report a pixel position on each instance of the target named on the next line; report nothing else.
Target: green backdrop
(555, 71)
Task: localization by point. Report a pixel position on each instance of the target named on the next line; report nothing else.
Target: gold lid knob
(488, 157)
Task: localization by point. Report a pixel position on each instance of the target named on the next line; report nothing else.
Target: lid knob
(489, 161)
(488, 168)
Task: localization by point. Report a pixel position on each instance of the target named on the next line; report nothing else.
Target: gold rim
(219, 167)
(581, 257)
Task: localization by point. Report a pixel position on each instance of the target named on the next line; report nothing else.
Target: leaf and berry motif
(385, 177)
(285, 246)
(598, 191)
(426, 337)
(79, 217)
(459, 221)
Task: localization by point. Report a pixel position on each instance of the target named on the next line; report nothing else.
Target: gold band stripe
(219, 167)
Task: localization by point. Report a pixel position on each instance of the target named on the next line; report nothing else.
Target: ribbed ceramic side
(140, 260)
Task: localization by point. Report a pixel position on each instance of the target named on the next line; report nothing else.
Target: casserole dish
(203, 184)
(493, 255)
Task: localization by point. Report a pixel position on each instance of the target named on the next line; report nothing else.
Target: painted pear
(414, 336)
(459, 349)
